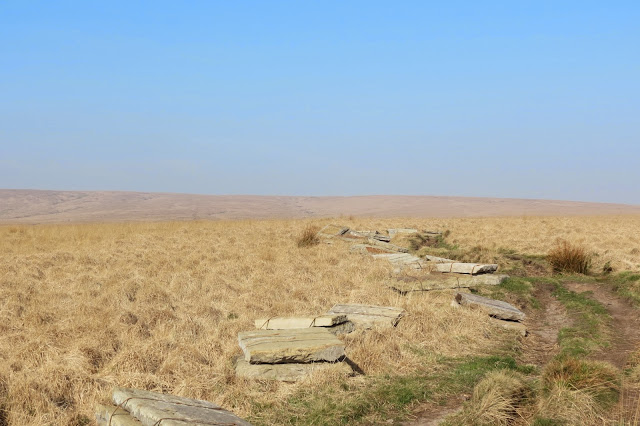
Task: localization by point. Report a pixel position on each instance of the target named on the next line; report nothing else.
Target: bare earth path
(624, 338)
(541, 344)
(625, 323)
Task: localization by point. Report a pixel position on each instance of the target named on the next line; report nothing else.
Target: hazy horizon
(312, 196)
(535, 101)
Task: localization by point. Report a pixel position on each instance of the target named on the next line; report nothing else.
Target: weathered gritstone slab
(352, 234)
(368, 316)
(369, 249)
(383, 238)
(344, 328)
(465, 268)
(393, 232)
(495, 308)
(288, 372)
(287, 323)
(331, 231)
(114, 416)
(387, 246)
(301, 345)
(406, 284)
(437, 259)
(404, 259)
(152, 408)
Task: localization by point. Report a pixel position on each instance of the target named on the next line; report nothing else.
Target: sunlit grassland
(159, 305)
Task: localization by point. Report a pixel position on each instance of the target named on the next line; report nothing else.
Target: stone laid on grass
(288, 372)
(387, 246)
(495, 308)
(437, 259)
(369, 249)
(393, 232)
(287, 323)
(152, 408)
(331, 231)
(302, 345)
(114, 416)
(381, 237)
(401, 259)
(352, 234)
(406, 284)
(368, 316)
(465, 268)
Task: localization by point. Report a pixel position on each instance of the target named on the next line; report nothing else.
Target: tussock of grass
(497, 400)
(578, 391)
(373, 400)
(571, 258)
(309, 236)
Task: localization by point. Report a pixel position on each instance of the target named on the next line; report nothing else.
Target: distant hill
(37, 206)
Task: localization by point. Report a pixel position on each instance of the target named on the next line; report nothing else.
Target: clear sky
(523, 99)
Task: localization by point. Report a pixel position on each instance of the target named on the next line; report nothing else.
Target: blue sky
(500, 99)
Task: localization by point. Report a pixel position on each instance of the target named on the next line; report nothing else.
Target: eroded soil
(624, 337)
(541, 344)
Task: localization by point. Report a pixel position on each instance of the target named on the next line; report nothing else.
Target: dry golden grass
(158, 306)
(571, 258)
(497, 400)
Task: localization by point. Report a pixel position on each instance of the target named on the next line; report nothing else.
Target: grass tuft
(497, 400)
(308, 237)
(567, 257)
(578, 391)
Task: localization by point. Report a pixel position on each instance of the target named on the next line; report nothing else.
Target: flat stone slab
(288, 372)
(403, 259)
(302, 345)
(519, 327)
(392, 232)
(114, 416)
(387, 246)
(406, 284)
(153, 408)
(465, 268)
(437, 259)
(369, 249)
(287, 323)
(495, 308)
(367, 316)
(331, 231)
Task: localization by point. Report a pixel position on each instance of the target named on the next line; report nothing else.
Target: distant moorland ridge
(43, 206)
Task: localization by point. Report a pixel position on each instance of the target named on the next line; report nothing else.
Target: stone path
(368, 316)
(134, 407)
(407, 283)
(495, 308)
(303, 345)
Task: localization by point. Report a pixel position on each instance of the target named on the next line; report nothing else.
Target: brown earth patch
(431, 414)
(625, 323)
(543, 326)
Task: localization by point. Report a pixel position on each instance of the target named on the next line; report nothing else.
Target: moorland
(158, 306)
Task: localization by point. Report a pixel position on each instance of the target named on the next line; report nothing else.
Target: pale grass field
(158, 305)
